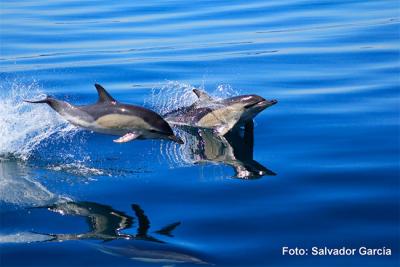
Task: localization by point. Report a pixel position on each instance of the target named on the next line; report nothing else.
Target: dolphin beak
(263, 104)
(267, 103)
(273, 102)
(176, 139)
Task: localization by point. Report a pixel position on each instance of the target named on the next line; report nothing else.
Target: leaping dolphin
(219, 115)
(112, 117)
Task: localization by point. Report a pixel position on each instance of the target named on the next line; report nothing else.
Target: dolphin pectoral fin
(203, 96)
(104, 96)
(225, 127)
(222, 130)
(127, 137)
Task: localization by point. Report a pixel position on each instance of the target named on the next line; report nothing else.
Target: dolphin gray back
(190, 114)
(107, 105)
(101, 109)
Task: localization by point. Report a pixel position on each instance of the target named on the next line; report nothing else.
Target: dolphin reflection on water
(234, 149)
(106, 224)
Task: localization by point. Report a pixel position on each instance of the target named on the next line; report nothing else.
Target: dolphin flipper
(127, 137)
(221, 130)
(226, 126)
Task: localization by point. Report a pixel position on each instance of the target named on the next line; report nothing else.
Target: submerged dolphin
(218, 115)
(150, 252)
(112, 117)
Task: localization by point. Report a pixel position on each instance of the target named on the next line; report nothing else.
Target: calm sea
(329, 150)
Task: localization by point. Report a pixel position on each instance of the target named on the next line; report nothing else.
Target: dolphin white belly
(219, 115)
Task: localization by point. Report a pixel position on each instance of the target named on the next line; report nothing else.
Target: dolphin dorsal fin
(202, 95)
(104, 96)
(143, 221)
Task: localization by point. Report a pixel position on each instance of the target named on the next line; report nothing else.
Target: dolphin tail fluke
(167, 230)
(45, 100)
(53, 103)
(58, 105)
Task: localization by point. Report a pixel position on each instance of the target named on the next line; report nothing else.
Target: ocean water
(329, 149)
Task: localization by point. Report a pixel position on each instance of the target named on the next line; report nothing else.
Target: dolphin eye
(153, 131)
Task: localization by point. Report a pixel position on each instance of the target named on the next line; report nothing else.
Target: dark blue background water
(332, 140)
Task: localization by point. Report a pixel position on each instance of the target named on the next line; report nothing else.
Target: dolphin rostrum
(219, 115)
(109, 116)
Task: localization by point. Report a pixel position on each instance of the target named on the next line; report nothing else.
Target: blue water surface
(331, 145)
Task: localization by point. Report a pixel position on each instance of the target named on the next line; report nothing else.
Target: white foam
(24, 237)
(77, 168)
(170, 96)
(24, 126)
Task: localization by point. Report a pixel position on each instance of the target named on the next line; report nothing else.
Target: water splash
(180, 155)
(78, 168)
(35, 134)
(173, 95)
(24, 126)
(169, 96)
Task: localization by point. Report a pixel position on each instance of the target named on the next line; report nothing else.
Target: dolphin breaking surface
(109, 116)
(218, 115)
(37, 127)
